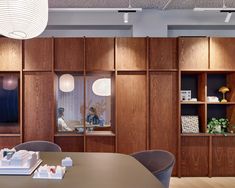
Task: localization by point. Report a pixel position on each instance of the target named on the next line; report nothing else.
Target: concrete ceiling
(157, 4)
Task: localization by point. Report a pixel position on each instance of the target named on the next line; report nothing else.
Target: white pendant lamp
(102, 87)
(10, 82)
(23, 19)
(66, 83)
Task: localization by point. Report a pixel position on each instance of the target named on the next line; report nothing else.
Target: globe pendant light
(102, 87)
(10, 82)
(23, 19)
(66, 83)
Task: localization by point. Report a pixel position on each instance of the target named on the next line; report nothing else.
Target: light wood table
(90, 170)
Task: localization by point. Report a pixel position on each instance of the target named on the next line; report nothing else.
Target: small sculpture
(224, 90)
(67, 162)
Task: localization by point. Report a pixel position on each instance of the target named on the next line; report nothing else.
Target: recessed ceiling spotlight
(126, 17)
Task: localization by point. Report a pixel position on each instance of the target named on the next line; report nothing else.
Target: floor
(203, 182)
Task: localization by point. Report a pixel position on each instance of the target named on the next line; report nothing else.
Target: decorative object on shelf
(10, 82)
(23, 19)
(102, 87)
(190, 124)
(218, 126)
(66, 83)
(67, 162)
(193, 100)
(49, 172)
(224, 90)
(185, 95)
(212, 99)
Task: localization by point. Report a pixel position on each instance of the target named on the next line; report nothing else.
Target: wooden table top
(90, 170)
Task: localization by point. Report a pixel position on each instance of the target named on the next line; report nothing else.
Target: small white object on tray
(49, 172)
(67, 162)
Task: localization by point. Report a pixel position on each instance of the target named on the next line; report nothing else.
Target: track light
(228, 17)
(126, 17)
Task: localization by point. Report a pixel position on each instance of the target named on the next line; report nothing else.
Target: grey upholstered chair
(38, 146)
(159, 162)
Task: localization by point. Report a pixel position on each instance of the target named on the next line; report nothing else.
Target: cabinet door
(69, 54)
(38, 106)
(9, 142)
(131, 113)
(100, 144)
(163, 53)
(131, 54)
(193, 53)
(38, 54)
(222, 53)
(10, 54)
(164, 111)
(99, 54)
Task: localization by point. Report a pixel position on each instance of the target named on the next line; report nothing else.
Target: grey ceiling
(158, 4)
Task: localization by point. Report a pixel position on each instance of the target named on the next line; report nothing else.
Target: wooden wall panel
(193, 53)
(164, 111)
(38, 54)
(163, 53)
(223, 156)
(99, 54)
(131, 113)
(69, 54)
(222, 53)
(38, 109)
(195, 156)
(100, 144)
(10, 54)
(9, 142)
(131, 54)
(71, 143)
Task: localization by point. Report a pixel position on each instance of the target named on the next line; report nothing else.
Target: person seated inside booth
(62, 126)
(92, 117)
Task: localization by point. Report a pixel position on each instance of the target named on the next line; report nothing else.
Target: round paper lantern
(66, 83)
(102, 87)
(10, 82)
(23, 19)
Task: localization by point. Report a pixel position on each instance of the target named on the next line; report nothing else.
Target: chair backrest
(38, 146)
(159, 162)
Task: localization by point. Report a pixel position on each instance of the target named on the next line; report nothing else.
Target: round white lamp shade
(23, 19)
(66, 83)
(102, 87)
(10, 82)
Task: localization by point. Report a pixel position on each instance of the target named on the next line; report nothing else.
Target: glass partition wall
(84, 103)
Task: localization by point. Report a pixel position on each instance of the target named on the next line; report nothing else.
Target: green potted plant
(218, 126)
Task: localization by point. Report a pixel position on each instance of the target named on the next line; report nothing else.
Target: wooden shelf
(64, 134)
(100, 133)
(189, 102)
(10, 135)
(163, 70)
(195, 134)
(221, 103)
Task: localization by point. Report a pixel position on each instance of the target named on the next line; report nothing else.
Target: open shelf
(100, 133)
(192, 102)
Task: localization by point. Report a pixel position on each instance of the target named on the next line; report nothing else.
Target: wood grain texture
(164, 112)
(70, 144)
(38, 96)
(163, 53)
(10, 54)
(194, 156)
(100, 144)
(222, 53)
(9, 142)
(99, 54)
(131, 113)
(230, 96)
(69, 54)
(223, 156)
(38, 54)
(131, 54)
(193, 53)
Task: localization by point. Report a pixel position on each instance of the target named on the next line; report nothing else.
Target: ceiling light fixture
(228, 17)
(23, 19)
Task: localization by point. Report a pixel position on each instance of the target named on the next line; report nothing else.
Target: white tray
(19, 170)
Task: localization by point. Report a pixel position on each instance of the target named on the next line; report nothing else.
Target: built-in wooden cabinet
(70, 143)
(131, 113)
(10, 54)
(193, 53)
(163, 53)
(38, 54)
(9, 141)
(69, 54)
(38, 106)
(131, 54)
(100, 144)
(99, 54)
